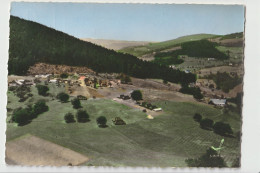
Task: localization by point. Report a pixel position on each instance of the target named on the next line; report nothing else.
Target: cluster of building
(20, 82)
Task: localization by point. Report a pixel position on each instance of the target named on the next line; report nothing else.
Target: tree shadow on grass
(24, 123)
(83, 120)
(77, 107)
(102, 126)
(206, 128)
(226, 135)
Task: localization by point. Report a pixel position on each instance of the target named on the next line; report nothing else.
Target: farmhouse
(157, 109)
(218, 102)
(53, 81)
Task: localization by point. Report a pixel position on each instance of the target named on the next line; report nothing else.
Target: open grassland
(165, 141)
(142, 50)
(235, 53)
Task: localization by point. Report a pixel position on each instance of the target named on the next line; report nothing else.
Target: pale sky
(136, 22)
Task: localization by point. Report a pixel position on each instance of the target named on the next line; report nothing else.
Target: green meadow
(165, 141)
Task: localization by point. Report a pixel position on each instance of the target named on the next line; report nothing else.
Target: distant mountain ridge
(115, 44)
(159, 46)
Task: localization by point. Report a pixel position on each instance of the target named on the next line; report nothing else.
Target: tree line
(31, 42)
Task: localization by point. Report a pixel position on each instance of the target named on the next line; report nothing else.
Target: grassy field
(165, 141)
(236, 53)
(142, 50)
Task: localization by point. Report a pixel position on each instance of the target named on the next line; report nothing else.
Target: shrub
(12, 88)
(76, 103)
(42, 89)
(206, 123)
(195, 91)
(64, 75)
(40, 107)
(222, 128)
(144, 104)
(197, 117)
(69, 118)
(63, 97)
(82, 116)
(101, 121)
(22, 116)
(209, 159)
(137, 95)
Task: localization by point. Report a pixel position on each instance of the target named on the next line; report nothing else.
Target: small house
(157, 109)
(53, 81)
(218, 102)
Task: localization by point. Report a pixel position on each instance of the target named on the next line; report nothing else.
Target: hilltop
(155, 47)
(115, 44)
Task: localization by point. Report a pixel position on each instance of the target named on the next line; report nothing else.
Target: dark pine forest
(31, 43)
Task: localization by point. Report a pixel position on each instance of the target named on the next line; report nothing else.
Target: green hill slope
(31, 42)
(154, 47)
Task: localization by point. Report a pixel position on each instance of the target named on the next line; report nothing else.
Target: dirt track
(33, 151)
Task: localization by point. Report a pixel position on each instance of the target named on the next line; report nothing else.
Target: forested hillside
(31, 42)
(201, 49)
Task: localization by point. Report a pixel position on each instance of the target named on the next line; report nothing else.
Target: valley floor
(165, 141)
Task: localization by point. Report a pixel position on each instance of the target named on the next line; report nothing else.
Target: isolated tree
(101, 121)
(42, 90)
(95, 82)
(69, 118)
(210, 159)
(222, 128)
(137, 95)
(63, 97)
(76, 103)
(22, 116)
(40, 107)
(197, 117)
(206, 123)
(197, 94)
(82, 116)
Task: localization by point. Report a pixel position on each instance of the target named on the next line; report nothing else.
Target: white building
(218, 102)
(157, 109)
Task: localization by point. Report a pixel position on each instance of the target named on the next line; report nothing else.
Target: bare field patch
(33, 151)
